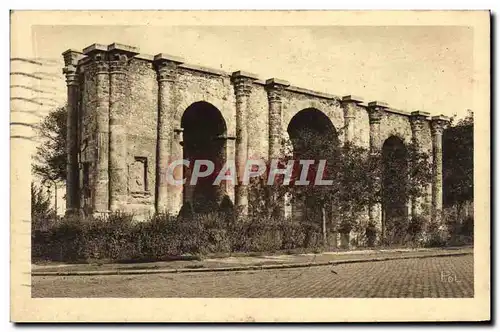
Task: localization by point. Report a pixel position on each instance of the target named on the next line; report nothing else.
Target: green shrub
(293, 235)
(416, 226)
(158, 237)
(436, 235)
(117, 238)
(370, 234)
(313, 237)
(467, 227)
(264, 234)
(69, 239)
(463, 232)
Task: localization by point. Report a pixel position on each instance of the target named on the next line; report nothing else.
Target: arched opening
(312, 134)
(394, 193)
(204, 139)
(313, 137)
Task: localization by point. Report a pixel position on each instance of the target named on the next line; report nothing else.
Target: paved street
(424, 277)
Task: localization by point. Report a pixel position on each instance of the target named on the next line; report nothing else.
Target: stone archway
(312, 137)
(204, 139)
(394, 195)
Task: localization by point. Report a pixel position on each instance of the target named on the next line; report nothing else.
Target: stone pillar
(71, 58)
(438, 124)
(242, 88)
(175, 191)
(375, 112)
(350, 106)
(418, 122)
(166, 67)
(119, 56)
(100, 70)
(274, 88)
(230, 154)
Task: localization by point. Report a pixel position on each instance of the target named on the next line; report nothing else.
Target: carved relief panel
(138, 175)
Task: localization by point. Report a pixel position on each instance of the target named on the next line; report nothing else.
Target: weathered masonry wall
(125, 127)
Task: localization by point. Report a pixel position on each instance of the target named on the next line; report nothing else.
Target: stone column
(438, 124)
(71, 58)
(242, 88)
(166, 67)
(418, 122)
(119, 56)
(230, 153)
(99, 68)
(175, 191)
(274, 88)
(375, 112)
(350, 106)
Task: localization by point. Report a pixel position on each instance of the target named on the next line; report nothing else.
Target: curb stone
(237, 268)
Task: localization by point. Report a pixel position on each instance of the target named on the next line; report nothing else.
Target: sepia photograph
(336, 158)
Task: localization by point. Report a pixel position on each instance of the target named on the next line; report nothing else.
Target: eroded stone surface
(130, 108)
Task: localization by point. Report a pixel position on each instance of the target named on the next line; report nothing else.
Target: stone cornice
(440, 118)
(276, 82)
(396, 111)
(419, 116)
(352, 99)
(166, 71)
(302, 91)
(204, 70)
(312, 93)
(84, 60)
(439, 123)
(146, 57)
(242, 82)
(163, 57)
(378, 104)
(70, 70)
(119, 56)
(95, 48)
(113, 56)
(121, 48)
(72, 57)
(375, 111)
(166, 66)
(417, 120)
(349, 104)
(243, 74)
(273, 86)
(186, 66)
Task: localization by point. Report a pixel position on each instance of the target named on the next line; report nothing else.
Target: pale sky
(428, 68)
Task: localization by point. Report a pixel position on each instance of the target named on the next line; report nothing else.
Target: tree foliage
(458, 162)
(50, 158)
(41, 212)
(357, 179)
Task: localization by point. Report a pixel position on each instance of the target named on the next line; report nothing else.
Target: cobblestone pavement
(425, 277)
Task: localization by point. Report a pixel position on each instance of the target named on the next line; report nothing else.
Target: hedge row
(117, 238)
(161, 237)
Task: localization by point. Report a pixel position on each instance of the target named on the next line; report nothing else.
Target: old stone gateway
(130, 115)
